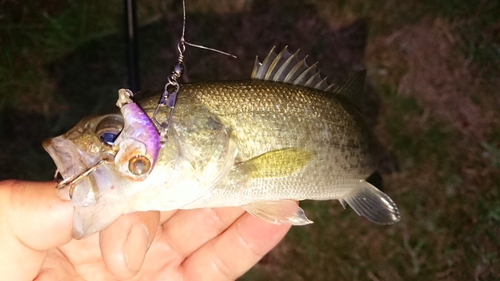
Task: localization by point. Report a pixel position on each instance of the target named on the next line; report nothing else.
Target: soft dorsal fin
(288, 68)
(354, 88)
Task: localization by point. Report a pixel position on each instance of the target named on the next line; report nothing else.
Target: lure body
(138, 143)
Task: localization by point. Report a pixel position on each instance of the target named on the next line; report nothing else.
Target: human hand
(202, 244)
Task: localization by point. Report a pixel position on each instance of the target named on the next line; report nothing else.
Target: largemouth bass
(261, 144)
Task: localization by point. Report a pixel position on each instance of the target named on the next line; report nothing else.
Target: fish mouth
(70, 165)
(87, 184)
(65, 156)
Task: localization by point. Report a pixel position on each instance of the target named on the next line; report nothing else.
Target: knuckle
(220, 266)
(212, 219)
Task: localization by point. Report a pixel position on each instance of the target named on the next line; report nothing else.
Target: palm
(211, 244)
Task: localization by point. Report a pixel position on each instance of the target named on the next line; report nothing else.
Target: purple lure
(139, 142)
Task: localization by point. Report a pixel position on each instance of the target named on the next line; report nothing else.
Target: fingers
(32, 219)
(56, 267)
(125, 242)
(188, 230)
(36, 214)
(235, 251)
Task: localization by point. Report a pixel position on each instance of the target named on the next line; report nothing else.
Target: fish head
(83, 146)
(92, 186)
(88, 160)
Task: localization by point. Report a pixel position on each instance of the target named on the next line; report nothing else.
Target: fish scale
(324, 134)
(258, 125)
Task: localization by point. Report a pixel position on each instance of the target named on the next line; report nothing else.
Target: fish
(282, 136)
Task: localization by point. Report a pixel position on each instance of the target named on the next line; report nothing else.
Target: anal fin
(371, 203)
(278, 212)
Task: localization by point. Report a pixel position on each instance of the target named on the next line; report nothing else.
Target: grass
(434, 65)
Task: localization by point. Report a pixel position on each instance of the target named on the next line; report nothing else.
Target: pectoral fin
(278, 212)
(277, 163)
(371, 203)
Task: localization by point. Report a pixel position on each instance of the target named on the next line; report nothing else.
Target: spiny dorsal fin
(288, 68)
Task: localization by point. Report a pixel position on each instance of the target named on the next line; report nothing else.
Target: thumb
(33, 219)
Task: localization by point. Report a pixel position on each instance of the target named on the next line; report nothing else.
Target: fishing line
(169, 96)
(167, 99)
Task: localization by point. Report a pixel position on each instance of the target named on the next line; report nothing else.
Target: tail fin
(371, 203)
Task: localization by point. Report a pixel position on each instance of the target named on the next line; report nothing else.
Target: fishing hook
(73, 180)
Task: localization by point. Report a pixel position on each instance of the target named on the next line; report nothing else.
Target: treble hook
(71, 181)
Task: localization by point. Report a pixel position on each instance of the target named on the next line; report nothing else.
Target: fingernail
(136, 247)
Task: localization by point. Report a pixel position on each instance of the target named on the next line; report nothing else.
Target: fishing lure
(138, 143)
(134, 149)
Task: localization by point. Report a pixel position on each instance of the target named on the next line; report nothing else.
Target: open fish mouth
(70, 167)
(80, 182)
(65, 156)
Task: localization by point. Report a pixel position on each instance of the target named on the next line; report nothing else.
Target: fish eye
(139, 165)
(108, 129)
(108, 138)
